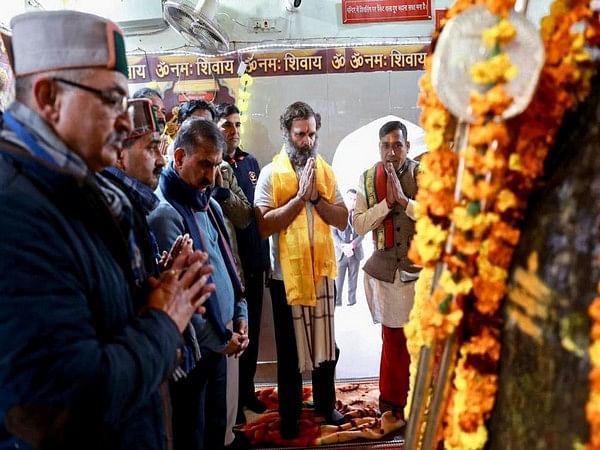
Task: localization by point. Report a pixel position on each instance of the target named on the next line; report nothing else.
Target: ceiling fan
(196, 24)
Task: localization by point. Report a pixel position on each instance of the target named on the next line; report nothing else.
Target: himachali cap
(143, 118)
(52, 40)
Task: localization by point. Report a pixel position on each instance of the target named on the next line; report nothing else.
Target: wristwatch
(316, 200)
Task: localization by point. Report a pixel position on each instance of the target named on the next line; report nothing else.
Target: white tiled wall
(345, 102)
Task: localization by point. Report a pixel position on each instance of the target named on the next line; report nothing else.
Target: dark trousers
(254, 296)
(289, 378)
(351, 266)
(199, 407)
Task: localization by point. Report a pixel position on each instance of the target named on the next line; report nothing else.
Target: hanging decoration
(243, 101)
(471, 236)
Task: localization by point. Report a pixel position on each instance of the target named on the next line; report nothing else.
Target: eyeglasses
(111, 97)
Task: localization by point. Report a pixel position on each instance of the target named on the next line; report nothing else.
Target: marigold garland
(502, 162)
(592, 407)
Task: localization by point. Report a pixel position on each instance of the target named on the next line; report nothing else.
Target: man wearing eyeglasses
(385, 205)
(81, 365)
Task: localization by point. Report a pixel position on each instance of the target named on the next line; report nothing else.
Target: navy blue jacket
(251, 247)
(78, 368)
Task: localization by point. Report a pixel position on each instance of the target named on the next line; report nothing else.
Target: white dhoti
(390, 303)
(313, 327)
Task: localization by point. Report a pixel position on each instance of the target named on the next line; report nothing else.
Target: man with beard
(80, 366)
(199, 407)
(253, 251)
(296, 202)
(385, 205)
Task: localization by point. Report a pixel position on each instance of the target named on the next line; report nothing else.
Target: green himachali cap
(53, 40)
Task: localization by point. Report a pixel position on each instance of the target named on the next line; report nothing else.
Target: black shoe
(239, 443)
(334, 418)
(255, 405)
(338, 304)
(241, 417)
(289, 429)
(352, 304)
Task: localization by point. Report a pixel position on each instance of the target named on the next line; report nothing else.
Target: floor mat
(356, 401)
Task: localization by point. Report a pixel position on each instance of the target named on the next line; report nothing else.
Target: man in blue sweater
(199, 407)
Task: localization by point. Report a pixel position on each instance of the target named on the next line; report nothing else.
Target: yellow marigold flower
(434, 139)
(506, 200)
(489, 271)
(428, 251)
(452, 287)
(430, 231)
(460, 382)
(578, 42)
(547, 26)
(434, 118)
(475, 440)
(514, 162)
(494, 70)
(464, 221)
(595, 353)
(495, 160)
(560, 8)
(502, 33)
(582, 56)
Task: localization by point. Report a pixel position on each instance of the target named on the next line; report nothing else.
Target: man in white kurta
(385, 205)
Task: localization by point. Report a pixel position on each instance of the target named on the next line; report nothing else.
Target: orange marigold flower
(503, 231)
(595, 379)
(594, 309)
(474, 159)
(500, 253)
(494, 101)
(484, 344)
(492, 131)
(595, 332)
(499, 8)
(441, 203)
(489, 295)
(469, 421)
(466, 245)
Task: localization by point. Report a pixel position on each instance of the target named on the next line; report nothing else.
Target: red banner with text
(292, 62)
(372, 11)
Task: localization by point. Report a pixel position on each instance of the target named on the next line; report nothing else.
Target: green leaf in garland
(444, 307)
(473, 208)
